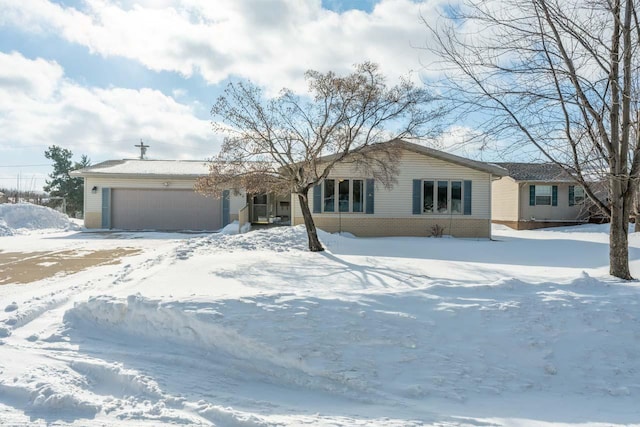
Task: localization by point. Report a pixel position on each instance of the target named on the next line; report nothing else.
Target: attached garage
(148, 209)
(154, 195)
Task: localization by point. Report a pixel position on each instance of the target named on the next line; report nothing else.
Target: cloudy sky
(97, 76)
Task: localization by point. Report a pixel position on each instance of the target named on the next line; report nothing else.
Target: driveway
(27, 267)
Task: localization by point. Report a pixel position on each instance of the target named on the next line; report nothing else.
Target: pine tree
(61, 183)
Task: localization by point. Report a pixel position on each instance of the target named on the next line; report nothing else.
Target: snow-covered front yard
(253, 330)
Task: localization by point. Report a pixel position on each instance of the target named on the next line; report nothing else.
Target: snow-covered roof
(182, 168)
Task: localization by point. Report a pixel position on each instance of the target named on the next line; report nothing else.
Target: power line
(24, 166)
(34, 178)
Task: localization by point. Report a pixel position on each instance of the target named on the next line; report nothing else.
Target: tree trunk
(312, 234)
(618, 237)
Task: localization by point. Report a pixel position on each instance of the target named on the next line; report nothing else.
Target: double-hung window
(442, 197)
(543, 195)
(349, 194)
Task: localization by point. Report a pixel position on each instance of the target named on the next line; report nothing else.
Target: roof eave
(139, 175)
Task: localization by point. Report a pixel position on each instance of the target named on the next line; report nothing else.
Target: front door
(260, 209)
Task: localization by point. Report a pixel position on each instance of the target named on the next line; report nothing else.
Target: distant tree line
(17, 196)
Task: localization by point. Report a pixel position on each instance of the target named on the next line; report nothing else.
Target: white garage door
(136, 209)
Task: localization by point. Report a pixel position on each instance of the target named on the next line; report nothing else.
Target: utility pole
(143, 149)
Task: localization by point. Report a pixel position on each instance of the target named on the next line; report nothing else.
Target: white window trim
(550, 195)
(336, 202)
(449, 196)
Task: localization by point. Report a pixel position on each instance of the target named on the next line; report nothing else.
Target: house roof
(197, 168)
(542, 172)
(153, 168)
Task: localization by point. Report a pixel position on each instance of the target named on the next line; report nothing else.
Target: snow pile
(275, 239)
(445, 341)
(254, 330)
(24, 218)
(234, 228)
(182, 324)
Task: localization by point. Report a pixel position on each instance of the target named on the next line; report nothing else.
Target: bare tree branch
(290, 143)
(558, 75)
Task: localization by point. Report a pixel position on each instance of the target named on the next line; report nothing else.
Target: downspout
(491, 179)
(521, 185)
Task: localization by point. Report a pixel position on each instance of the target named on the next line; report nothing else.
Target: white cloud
(39, 106)
(271, 42)
(467, 142)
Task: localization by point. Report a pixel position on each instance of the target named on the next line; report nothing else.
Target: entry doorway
(260, 205)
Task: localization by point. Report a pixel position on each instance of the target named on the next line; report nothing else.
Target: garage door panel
(144, 209)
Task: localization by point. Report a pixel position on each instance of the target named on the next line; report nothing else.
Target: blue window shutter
(369, 191)
(317, 198)
(106, 208)
(467, 197)
(572, 197)
(225, 207)
(417, 197)
(532, 195)
(554, 195)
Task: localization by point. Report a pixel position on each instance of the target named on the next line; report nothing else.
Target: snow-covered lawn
(253, 330)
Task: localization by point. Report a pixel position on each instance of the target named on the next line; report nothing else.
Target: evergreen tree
(61, 183)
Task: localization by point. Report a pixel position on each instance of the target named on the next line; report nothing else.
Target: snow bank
(234, 228)
(445, 341)
(276, 239)
(23, 218)
(253, 330)
(172, 322)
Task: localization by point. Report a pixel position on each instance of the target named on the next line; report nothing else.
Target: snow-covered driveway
(253, 330)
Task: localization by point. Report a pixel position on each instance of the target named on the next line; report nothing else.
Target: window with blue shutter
(572, 200)
(467, 198)
(554, 195)
(370, 190)
(417, 183)
(532, 195)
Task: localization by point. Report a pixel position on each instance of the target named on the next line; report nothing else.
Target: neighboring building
(537, 195)
(433, 189)
(3, 198)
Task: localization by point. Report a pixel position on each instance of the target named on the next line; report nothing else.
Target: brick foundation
(534, 225)
(384, 227)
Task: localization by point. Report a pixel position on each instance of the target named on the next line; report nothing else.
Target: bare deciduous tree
(290, 143)
(560, 75)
